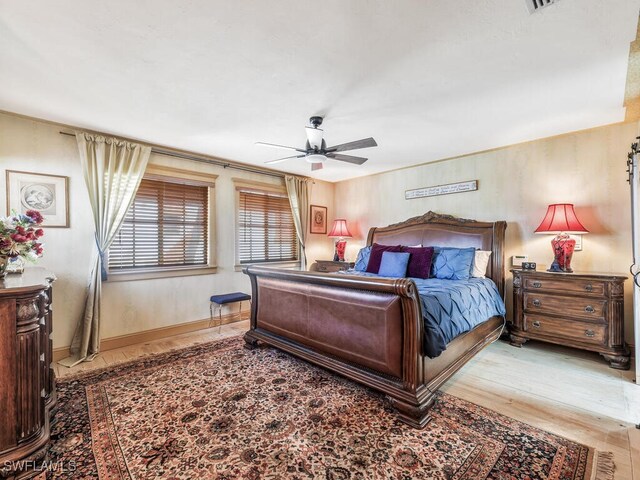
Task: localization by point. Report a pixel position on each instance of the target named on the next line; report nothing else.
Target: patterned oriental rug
(219, 411)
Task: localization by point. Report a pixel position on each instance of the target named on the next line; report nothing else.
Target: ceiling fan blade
(347, 158)
(364, 143)
(273, 145)
(316, 166)
(278, 160)
(314, 135)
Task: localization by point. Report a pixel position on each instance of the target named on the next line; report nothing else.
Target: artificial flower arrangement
(19, 237)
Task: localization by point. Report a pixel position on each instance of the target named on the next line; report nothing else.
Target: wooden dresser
(574, 309)
(27, 389)
(330, 266)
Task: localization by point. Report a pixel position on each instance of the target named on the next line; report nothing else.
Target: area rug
(219, 411)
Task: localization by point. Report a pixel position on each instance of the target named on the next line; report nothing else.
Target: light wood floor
(565, 391)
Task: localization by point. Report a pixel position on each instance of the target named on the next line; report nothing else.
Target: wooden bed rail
(398, 286)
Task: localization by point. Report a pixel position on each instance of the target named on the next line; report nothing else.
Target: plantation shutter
(167, 226)
(266, 232)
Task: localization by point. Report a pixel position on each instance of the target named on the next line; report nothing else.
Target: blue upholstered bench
(221, 300)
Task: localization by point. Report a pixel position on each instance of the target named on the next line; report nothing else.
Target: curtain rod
(196, 158)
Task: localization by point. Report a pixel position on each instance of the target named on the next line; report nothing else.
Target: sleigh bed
(371, 330)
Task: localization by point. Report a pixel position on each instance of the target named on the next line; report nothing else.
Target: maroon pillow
(376, 255)
(419, 262)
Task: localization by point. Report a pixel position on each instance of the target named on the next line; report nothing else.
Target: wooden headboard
(432, 229)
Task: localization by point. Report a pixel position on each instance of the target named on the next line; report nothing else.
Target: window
(266, 232)
(166, 227)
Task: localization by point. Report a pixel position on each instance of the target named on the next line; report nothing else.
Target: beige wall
(128, 306)
(516, 184)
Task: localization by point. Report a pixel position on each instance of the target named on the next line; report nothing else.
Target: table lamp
(561, 219)
(340, 231)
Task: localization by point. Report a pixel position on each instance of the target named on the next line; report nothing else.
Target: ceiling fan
(316, 151)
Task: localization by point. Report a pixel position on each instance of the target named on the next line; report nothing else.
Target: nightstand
(580, 310)
(330, 266)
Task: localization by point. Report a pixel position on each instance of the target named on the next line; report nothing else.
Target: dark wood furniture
(371, 329)
(27, 389)
(330, 266)
(579, 310)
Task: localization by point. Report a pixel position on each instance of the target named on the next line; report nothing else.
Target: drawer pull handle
(589, 309)
(536, 324)
(537, 285)
(590, 333)
(537, 303)
(588, 287)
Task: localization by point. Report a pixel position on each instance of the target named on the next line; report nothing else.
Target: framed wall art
(48, 194)
(318, 219)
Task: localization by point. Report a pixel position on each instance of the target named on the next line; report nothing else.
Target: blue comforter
(453, 307)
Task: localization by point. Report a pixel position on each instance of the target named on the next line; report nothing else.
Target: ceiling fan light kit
(316, 151)
(316, 158)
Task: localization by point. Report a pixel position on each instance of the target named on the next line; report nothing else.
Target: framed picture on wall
(318, 219)
(48, 194)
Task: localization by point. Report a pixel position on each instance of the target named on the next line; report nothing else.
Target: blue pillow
(363, 259)
(453, 263)
(394, 264)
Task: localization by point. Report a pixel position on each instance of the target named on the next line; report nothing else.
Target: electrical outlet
(578, 239)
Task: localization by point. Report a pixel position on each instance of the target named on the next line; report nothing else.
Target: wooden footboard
(353, 324)
(368, 322)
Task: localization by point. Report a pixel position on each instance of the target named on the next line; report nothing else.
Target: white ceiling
(428, 79)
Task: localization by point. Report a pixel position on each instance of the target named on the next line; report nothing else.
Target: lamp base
(555, 267)
(338, 256)
(563, 247)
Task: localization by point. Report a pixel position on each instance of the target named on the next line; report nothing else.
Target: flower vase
(4, 262)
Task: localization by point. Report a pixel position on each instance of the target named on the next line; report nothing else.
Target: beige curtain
(298, 192)
(113, 169)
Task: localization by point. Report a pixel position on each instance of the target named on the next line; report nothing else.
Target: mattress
(452, 307)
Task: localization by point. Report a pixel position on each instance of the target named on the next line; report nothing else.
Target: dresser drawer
(328, 266)
(571, 329)
(586, 287)
(590, 308)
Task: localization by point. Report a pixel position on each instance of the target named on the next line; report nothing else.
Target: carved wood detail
(431, 217)
(620, 362)
(517, 281)
(29, 383)
(617, 289)
(27, 390)
(27, 310)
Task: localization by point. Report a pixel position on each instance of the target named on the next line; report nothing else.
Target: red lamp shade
(561, 218)
(340, 229)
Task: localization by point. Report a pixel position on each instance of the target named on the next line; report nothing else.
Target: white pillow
(480, 263)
